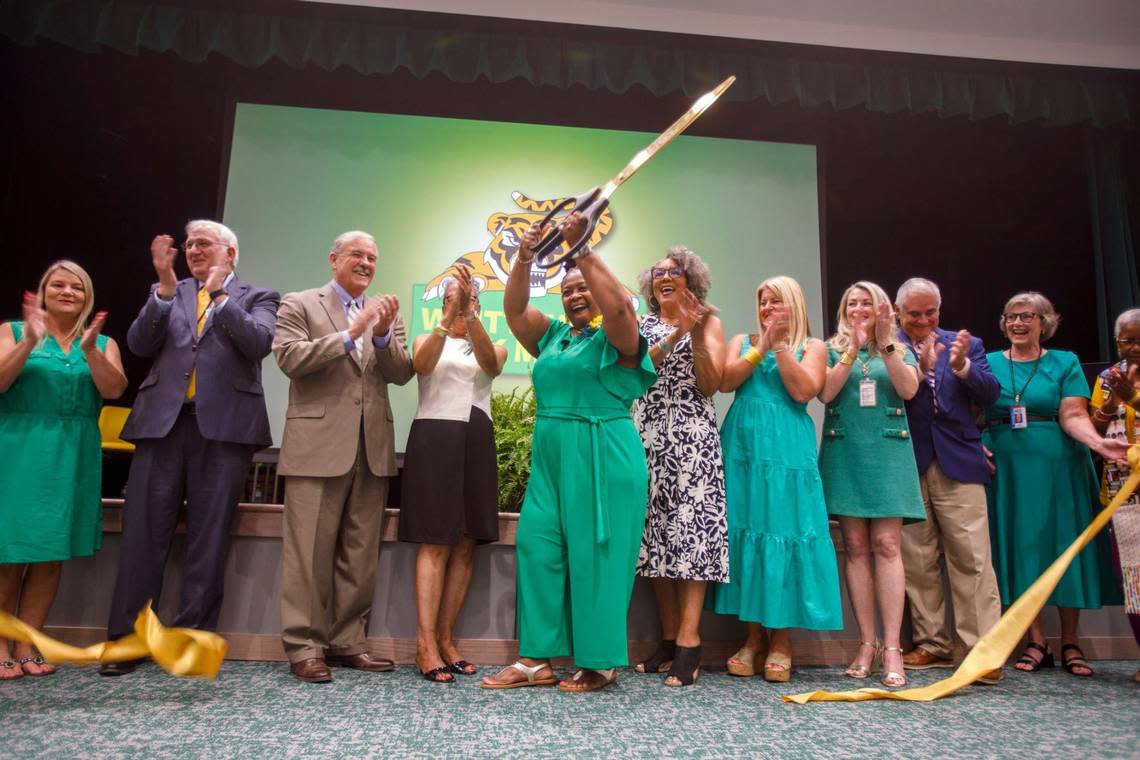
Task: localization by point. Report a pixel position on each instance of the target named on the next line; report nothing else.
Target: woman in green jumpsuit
(584, 512)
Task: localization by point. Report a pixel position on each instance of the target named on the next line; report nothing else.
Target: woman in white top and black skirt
(449, 499)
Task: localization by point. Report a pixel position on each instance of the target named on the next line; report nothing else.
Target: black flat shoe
(442, 674)
(462, 668)
(120, 668)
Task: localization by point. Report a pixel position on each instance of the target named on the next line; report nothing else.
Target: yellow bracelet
(441, 331)
(847, 358)
(753, 357)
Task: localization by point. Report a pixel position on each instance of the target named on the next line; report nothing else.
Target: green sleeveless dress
(52, 464)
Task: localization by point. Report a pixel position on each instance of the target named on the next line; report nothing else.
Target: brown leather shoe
(991, 677)
(312, 670)
(920, 659)
(361, 661)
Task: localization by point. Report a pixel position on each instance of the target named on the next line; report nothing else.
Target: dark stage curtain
(1114, 206)
(466, 48)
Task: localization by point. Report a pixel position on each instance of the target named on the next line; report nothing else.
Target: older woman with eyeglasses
(1115, 401)
(55, 370)
(1038, 434)
(685, 546)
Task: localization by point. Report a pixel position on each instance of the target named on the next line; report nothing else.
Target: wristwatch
(888, 349)
(215, 293)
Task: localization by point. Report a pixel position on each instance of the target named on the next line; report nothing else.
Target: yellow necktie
(203, 303)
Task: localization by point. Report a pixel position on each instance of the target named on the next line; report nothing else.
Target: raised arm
(803, 378)
(106, 366)
(904, 377)
(14, 354)
(527, 323)
(619, 321)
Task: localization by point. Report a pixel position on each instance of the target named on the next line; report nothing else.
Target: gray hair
(1129, 318)
(697, 276)
(1050, 319)
(916, 286)
(345, 238)
(223, 233)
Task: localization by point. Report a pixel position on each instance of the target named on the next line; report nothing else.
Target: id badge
(1017, 419)
(867, 392)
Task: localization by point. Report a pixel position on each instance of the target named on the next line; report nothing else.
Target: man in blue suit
(953, 473)
(197, 419)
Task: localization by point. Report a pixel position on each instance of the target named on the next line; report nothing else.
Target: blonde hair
(1050, 319)
(841, 341)
(88, 289)
(792, 295)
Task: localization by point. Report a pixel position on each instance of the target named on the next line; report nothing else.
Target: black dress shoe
(120, 668)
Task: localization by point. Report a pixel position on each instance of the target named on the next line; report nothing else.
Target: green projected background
(433, 191)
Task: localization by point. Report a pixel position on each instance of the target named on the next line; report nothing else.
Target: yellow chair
(111, 421)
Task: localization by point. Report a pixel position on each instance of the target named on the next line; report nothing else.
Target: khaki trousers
(956, 526)
(330, 549)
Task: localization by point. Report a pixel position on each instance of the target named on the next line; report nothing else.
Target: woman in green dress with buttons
(584, 512)
(55, 371)
(866, 461)
(1044, 486)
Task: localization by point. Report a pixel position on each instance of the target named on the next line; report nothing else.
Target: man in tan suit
(340, 351)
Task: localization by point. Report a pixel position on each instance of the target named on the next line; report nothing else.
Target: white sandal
(609, 676)
(891, 678)
(531, 673)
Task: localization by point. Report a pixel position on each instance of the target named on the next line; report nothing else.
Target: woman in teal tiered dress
(1044, 487)
(866, 461)
(55, 371)
(783, 562)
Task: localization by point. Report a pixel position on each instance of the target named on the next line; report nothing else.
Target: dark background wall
(101, 151)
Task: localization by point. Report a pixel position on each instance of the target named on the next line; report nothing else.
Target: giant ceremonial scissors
(594, 201)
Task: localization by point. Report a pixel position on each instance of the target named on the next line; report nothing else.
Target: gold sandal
(864, 670)
(892, 678)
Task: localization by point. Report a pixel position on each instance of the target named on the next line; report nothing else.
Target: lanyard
(1017, 396)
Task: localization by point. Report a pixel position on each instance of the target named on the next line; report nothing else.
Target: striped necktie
(930, 343)
(353, 313)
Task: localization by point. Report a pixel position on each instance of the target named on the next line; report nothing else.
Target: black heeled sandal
(661, 660)
(686, 666)
(1070, 664)
(1032, 665)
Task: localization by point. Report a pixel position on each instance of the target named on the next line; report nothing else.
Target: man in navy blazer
(197, 419)
(953, 473)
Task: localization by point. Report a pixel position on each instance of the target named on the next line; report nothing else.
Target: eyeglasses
(1024, 316)
(659, 272)
(1128, 342)
(200, 243)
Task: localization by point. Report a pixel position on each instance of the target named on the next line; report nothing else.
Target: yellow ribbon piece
(993, 649)
(180, 651)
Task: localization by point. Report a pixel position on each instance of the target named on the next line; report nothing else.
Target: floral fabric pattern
(686, 528)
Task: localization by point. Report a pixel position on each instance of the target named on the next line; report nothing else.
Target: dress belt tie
(601, 523)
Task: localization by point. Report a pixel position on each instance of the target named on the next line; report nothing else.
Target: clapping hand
(933, 349)
(779, 327)
(960, 350)
(466, 288)
(217, 275)
(694, 314)
(35, 319)
(387, 307)
(90, 340)
(162, 255)
(1122, 387)
(884, 325)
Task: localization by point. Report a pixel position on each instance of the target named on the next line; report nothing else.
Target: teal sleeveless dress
(52, 463)
(782, 561)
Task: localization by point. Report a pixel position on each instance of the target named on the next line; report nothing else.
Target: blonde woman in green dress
(866, 461)
(55, 371)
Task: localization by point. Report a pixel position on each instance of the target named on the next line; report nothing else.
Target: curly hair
(697, 276)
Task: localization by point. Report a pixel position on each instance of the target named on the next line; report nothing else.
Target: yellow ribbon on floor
(180, 651)
(993, 649)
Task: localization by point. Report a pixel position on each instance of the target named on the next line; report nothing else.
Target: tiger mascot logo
(490, 266)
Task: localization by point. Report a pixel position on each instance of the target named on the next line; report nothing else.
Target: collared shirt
(379, 342)
(918, 348)
(165, 303)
